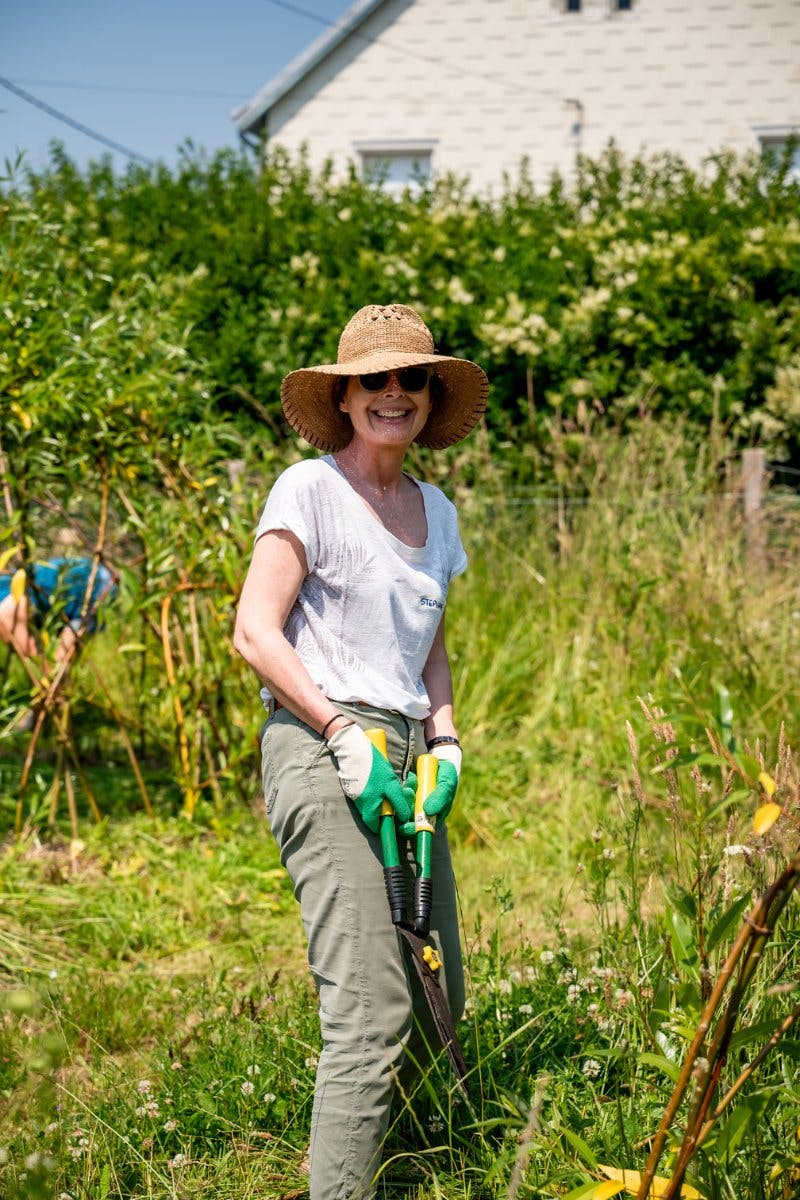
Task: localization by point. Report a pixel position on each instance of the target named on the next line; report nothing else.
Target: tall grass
(158, 1035)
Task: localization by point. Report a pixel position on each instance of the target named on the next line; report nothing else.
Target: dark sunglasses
(411, 379)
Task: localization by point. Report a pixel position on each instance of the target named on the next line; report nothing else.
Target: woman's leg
(367, 989)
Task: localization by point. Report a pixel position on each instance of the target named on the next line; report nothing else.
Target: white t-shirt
(367, 612)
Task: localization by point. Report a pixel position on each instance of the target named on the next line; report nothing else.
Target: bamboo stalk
(183, 741)
(755, 930)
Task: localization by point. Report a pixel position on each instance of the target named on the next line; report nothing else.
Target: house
(407, 89)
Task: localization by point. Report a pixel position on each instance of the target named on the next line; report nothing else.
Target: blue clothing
(59, 585)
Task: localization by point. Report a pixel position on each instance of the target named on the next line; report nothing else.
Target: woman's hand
(367, 778)
(439, 802)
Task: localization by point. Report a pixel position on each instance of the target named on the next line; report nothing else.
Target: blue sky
(148, 74)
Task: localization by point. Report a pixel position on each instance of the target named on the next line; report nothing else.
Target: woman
(342, 619)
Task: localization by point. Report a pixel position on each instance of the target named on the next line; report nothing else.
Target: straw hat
(384, 338)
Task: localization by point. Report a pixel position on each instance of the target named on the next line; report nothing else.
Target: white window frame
(397, 151)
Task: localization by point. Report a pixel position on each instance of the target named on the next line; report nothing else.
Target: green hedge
(640, 287)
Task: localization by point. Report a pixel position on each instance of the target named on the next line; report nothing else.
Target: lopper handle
(427, 765)
(392, 870)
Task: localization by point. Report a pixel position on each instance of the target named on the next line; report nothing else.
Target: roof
(249, 117)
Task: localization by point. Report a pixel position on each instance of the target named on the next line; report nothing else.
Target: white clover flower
(176, 1066)
(53, 975)
(253, 1069)
(270, 1098)
(144, 1086)
(547, 957)
(435, 1125)
(609, 853)
(248, 1088)
(525, 1009)
(735, 850)
(591, 1068)
(176, 1162)
(573, 992)
(311, 1062)
(169, 1125)
(504, 986)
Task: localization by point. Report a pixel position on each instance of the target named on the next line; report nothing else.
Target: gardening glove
(367, 778)
(439, 802)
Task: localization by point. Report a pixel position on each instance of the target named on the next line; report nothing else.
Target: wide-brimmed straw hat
(384, 338)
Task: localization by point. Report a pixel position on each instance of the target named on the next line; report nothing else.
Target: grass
(158, 1035)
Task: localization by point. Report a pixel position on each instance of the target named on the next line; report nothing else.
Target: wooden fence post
(754, 471)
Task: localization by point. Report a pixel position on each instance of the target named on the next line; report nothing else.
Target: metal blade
(437, 1003)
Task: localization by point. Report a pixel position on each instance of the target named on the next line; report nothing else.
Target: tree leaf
(7, 555)
(18, 580)
(765, 817)
(767, 783)
(632, 1180)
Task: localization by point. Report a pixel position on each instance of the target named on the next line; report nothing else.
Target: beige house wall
(486, 83)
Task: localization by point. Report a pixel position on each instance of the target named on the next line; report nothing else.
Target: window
(396, 166)
(623, 5)
(774, 144)
(572, 5)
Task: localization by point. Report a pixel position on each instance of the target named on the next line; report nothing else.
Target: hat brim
(307, 397)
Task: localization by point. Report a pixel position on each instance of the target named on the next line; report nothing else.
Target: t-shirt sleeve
(290, 506)
(458, 562)
(457, 556)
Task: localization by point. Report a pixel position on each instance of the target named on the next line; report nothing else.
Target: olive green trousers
(373, 1012)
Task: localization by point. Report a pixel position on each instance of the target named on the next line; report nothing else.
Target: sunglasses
(411, 379)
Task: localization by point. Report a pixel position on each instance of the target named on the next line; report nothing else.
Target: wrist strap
(330, 721)
(444, 740)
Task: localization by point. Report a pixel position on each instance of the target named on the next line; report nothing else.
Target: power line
(60, 116)
(119, 87)
(415, 54)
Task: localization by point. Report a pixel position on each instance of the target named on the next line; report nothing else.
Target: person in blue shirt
(67, 592)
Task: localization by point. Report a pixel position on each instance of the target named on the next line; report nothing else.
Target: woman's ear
(340, 394)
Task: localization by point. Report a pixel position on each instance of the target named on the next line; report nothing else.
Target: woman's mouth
(392, 414)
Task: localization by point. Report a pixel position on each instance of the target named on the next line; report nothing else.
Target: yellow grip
(378, 739)
(427, 766)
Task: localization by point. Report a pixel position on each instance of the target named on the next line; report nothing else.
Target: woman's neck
(382, 471)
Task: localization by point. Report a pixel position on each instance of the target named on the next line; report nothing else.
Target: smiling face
(393, 415)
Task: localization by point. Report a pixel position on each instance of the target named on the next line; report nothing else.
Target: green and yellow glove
(367, 778)
(440, 801)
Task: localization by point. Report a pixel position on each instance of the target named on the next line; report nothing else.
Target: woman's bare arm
(275, 576)
(439, 685)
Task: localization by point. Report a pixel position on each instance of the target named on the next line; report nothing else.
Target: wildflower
(270, 1098)
(254, 1069)
(734, 851)
(435, 1125)
(39, 1160)
(176, 1162)
(591, 1068)
(311, 1062)
(547, 957)
(525, 1010)
(144, 1086)
(623, 996)
(150, 1109)
(573, 992)
(53, 975)
(248, 1088)
(176, 1066)
(609, 854)
(169, 1125)
(504, 986)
